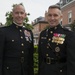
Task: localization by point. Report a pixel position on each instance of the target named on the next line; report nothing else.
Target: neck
(18, 24)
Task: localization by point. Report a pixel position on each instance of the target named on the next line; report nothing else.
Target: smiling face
(18, 14)
(54, 16)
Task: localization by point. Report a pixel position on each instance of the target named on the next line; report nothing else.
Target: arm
(31, 66)
(71, 54)
(40, 59)
(1, 50)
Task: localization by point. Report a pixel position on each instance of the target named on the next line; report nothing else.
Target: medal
(57, 39)
(57, 49)
(27, 39)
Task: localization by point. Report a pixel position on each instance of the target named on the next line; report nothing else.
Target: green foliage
(35, 60)
(72, 25)
(9, 19)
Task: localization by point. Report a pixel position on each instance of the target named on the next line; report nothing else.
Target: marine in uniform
(16, 49)
(56, 47)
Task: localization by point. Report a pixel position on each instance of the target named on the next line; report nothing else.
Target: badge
(27, 35)
(27, 39)
(58, 38)
(57, 49)
(43, 37)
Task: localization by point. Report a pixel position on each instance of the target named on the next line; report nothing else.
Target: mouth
(52, 22)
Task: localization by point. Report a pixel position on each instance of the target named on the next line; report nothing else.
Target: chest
(52, 42)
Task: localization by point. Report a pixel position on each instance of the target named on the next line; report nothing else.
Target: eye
(21, 12)
(16, 12)
(49, 15)
(55, 15)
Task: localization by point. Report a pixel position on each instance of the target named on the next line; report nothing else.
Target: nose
(52, 17)
(19, 14)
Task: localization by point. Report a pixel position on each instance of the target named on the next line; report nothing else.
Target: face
(18, 14)
(54, 17)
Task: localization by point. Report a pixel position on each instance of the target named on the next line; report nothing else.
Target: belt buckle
(48, 60)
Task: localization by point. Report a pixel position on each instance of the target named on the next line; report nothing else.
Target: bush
(35, 60)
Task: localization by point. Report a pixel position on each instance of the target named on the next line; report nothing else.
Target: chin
(53, 25)
(19, 22)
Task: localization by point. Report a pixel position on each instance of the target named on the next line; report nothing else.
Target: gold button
(49, 39)
(23, 52)
(12, 40)
(51, 32)
(47, 47)
(20, 30)
(46, 54)
(60, 70)
(7, 67)
(22, 44)
(55, 28)
(16, 26)
(21, 37)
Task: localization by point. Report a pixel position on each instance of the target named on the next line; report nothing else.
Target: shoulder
(5, 27)
(28, 30)
(70, 34)
(66, 30)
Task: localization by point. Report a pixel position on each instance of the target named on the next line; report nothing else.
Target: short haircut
(54, 6)
(18, 5)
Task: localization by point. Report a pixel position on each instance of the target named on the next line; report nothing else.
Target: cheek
(48, 19)
(14, 16)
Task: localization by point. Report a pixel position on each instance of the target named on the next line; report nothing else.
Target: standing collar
(18, 24)
(56, 27)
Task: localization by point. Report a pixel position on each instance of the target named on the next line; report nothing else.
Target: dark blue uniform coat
(16, 51)
(57, 52)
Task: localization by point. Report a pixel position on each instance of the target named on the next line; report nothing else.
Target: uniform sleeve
(39, 54)
(71, 54)
(31, 67)
(1, 50)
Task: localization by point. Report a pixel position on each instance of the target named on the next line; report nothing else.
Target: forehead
(18, 8)
(54, 10)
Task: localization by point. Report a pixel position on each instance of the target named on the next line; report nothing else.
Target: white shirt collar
(17, 24)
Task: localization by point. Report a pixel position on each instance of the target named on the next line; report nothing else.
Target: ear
(25, 15)
(12, 14)
(61, 16)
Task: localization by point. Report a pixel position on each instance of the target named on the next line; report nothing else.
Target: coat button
(22, 44)
(60, 70)
(12, 40)
(23, 52)
(46, 54)
(21, 37)
(47, 47)
(49, 39)
(51, 32)
(20, 30)
(7, 67)
(16, 26)
(55, 28)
